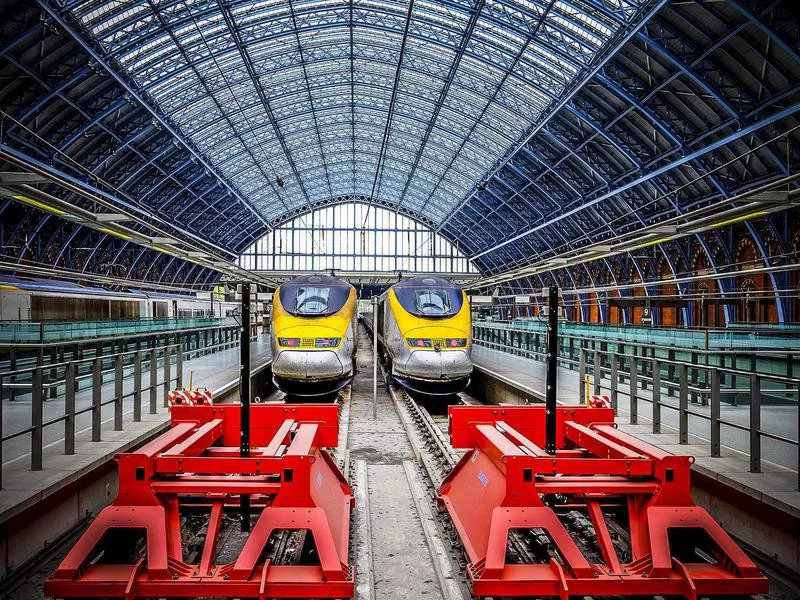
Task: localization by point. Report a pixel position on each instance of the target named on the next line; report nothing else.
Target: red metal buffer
(606, 515)
(196, 468)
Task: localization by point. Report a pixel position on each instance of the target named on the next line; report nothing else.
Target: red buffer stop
(606, 515)
(194, 473)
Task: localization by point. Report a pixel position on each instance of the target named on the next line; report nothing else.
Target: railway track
(438, 458)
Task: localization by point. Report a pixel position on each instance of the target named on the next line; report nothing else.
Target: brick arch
(639, 291)
(703, 313)
(794, 278)
(754, 290)
(594, 308)
(669, 316)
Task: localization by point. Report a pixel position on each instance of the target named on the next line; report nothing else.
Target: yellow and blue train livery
(424, 327)
(313, 335)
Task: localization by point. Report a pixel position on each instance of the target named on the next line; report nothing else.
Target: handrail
(606, 371)
(708, 351)
(71, 377)
(36, 339)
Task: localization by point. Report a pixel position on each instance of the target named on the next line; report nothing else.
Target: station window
(335, 237)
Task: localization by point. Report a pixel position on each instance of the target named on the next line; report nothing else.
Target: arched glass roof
(410, 101)
(633, 117)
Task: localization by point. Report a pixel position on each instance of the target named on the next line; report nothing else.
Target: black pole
(244, 394)
(552, 371)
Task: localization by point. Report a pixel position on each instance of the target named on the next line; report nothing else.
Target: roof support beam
(791, 110)
(565, 98)
(392, 101)
(62, 22)
(473, 19)
(248, 63)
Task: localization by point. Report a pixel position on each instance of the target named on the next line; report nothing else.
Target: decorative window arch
(355, 237)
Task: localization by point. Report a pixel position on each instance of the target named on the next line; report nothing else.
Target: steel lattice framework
(408, 101)
(518, 129)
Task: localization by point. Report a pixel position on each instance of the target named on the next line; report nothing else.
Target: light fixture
(650, 243)
(39, 205)
(114, 233)
(111, 217)
(758, 213)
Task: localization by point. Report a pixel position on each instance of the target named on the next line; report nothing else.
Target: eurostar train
(313, 335)
(424, 330)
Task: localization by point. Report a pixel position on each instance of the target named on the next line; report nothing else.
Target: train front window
(312, 300)
(432, 302)
(308, 300)
(429, 299)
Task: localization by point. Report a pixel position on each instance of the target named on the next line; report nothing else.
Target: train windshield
(429, 297)
(313, 298)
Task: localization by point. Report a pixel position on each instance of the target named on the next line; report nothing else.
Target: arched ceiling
(518, 129)
(700, 105)
(407, 100)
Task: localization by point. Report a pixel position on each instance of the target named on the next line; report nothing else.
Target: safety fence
(19, 356)
(733, 337)
(698, 388)
(66, 379)
(62, 331)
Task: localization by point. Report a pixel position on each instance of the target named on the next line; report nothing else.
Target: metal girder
(58, 17)
(684, 69)
(231, 24)
(473, 19)
(573, 37)
(777, 116)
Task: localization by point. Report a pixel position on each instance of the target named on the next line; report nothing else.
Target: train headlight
(289, 342)
(419, 342)
(327, 342)
(456, 342)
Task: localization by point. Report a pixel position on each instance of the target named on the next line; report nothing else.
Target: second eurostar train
(424, 328)
(313, 335)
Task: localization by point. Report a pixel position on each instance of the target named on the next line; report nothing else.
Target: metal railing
(694, 383)
(61, 331)
(690, 338)
(612, 368)
(19, 356)
(531, 342)
(93, 371)
(96, 378)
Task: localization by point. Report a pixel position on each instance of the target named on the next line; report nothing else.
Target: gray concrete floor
(402, 567)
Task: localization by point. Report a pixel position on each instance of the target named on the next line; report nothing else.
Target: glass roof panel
(334, 96)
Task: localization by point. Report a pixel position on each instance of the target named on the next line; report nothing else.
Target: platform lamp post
(375, 357)
(244, 395)
(552, 369)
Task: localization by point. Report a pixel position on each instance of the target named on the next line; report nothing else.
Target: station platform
(23, 490)
(772, 494)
